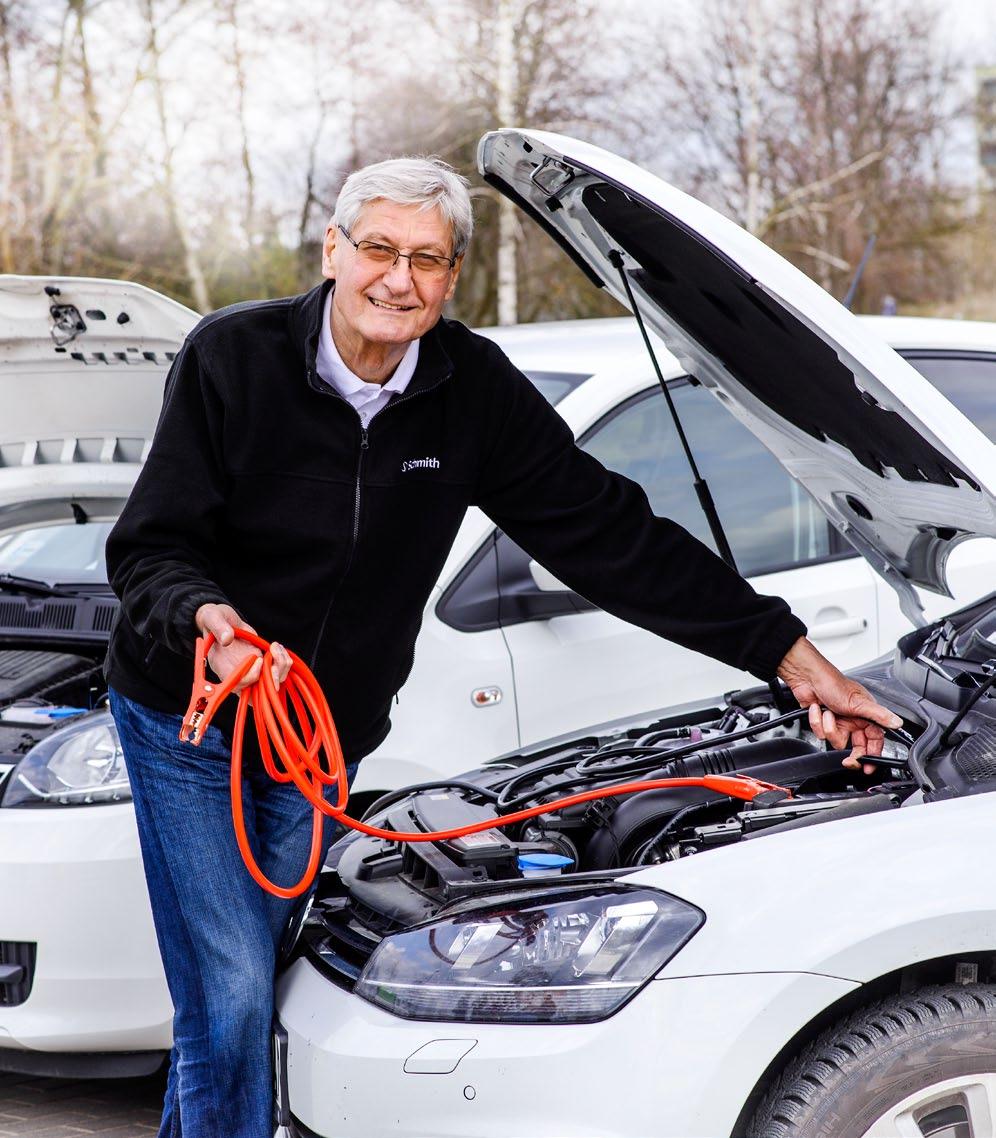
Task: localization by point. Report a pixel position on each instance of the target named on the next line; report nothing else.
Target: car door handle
(831, 629)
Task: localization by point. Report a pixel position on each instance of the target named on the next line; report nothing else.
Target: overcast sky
(974, 26)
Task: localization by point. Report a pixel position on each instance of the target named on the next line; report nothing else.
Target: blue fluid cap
(544, 863)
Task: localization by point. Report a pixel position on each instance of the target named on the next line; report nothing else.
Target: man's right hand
(228, 652)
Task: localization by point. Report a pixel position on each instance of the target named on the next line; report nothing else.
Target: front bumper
(679, 1061)
(71, 883)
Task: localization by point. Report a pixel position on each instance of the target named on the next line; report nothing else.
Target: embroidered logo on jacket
(419, 464)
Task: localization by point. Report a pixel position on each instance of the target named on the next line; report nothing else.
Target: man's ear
(328, 252)
(454, 275)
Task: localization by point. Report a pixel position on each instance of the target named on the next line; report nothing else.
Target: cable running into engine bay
(310, 756)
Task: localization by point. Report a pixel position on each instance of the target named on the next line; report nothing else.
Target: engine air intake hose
(637, 819)
(750, 757)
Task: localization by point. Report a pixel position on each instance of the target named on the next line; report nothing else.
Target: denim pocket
(148, 735)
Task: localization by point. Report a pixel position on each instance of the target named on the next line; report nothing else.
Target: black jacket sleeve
(160, 551)
(595, 530)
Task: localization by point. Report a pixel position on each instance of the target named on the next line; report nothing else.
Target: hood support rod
(701, 486)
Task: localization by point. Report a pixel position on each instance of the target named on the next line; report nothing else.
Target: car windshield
(68, 553)
(964, 378)
(554, 385)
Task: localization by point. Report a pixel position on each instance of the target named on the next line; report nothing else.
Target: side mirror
(544, 580)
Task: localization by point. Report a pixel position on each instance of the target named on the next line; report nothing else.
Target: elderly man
(287, 486)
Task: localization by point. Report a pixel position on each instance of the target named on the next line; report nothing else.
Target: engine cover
(27, 673)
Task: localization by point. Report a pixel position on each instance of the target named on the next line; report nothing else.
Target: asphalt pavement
(75, 1108)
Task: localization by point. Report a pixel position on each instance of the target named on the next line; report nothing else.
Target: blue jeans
(218, 931)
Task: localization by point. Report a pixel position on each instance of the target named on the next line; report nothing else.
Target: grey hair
(424, 182)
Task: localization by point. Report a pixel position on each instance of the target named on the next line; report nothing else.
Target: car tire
(919, 1064)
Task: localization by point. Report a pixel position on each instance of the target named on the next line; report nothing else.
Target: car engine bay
(38, 687)
(940, 682)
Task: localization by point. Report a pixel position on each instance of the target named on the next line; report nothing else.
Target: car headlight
(76, 765)
(562, 957)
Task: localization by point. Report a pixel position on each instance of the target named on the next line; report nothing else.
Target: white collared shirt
(366, 398)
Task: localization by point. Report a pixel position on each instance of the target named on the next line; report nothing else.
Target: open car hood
(897, 469)
(82, 364)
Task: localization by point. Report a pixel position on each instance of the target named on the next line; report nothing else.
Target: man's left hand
(840, 709)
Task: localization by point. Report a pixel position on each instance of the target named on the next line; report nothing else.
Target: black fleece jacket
(262, 490)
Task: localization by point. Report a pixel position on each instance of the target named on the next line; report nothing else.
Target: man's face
(389, 305)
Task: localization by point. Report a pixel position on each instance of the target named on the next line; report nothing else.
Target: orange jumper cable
(301, 749)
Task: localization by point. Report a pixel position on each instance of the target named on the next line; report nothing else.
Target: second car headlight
(559, 958)
(77, 765)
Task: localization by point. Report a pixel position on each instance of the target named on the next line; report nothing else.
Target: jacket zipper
(394, 402)
(357, 494)
(410, 661)
(364, 447)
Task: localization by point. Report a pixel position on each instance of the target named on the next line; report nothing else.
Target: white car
(816, 962)
(505, 659)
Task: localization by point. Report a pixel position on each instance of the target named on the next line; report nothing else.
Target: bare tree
(54, 157)
(816, 125)
(231, 10)
(869, 112)
(74, 155)
(310, 198)
(132, 132)
(177, 213)
(508, 16)
(57, 188)
(12, 204)
(92, 126)
(563, 65)
(350, 80)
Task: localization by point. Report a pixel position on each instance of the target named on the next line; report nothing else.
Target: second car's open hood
(82, 364)
(900, 472)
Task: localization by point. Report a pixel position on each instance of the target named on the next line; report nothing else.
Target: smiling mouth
(388, 307)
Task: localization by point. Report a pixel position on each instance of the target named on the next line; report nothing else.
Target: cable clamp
(206, 697)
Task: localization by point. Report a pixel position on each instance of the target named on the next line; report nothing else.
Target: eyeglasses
(386, 257)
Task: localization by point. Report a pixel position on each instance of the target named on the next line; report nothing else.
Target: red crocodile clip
(206, 697)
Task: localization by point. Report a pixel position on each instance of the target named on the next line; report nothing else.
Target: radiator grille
(19, 954)
(339, 937)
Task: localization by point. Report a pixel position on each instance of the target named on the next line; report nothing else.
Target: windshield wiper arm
(31, 586)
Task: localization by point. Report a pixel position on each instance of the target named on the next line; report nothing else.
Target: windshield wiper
(30, 586)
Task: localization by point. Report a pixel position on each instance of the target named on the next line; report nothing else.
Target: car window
(770, 521)
(70, 553)
(969, 381)
(554, 385)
